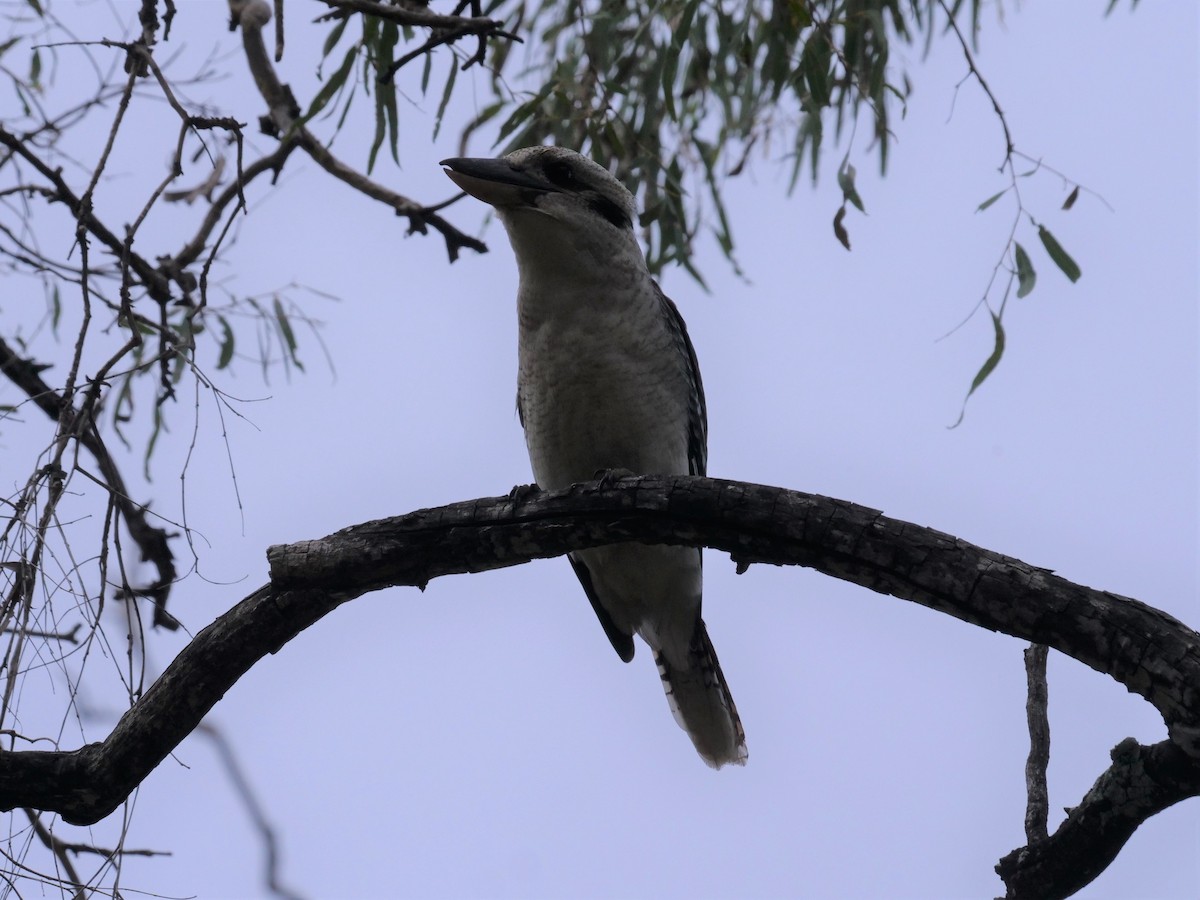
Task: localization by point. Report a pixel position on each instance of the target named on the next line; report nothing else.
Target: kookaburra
(607, 380)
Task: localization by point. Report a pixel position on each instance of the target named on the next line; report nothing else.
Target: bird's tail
(701, 702)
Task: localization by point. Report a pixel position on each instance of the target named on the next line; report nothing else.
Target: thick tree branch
(1141, 782)
(1148, 651)
(1145, 649)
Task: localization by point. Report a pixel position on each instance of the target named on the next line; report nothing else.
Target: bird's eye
(561, 174)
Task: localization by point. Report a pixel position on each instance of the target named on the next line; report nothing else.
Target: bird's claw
(608, 477)
(522, 492)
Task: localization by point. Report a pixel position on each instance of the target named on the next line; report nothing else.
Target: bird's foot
(522, 492)
(607, 477)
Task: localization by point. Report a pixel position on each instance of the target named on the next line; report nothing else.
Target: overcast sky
(481, 739)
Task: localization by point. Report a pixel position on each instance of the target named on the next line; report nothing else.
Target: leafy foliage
(675, 95)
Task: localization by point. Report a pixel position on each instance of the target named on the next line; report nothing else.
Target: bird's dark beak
(493, 181)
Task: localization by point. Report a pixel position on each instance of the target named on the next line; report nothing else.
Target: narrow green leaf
(845, 177)
(683, 30)
(226, 344)
(21, 95)
(446, 92)
(380, 127)
(286, 333)
(814, 64)
(839, 229)
(393, 119)
(160, 425)
(987, 368)
(331, 87)
(1026, 276)
(1061, 258)
(426, 71)
(1071, 198)
(993, 360)
(671, 61)
(387, 116)
(990, 200)
(35, 67)
(333, 37)
(524, 111)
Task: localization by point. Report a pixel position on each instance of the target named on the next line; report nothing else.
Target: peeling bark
(1150, 652)
(1141, 782)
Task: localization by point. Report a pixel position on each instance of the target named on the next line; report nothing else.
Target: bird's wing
(697, 425)
(622, 641)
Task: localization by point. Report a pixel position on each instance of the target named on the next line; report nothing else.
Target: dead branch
(284, 119)
(157, 284)
(1150, 652)
(1037, 807)
(1141, 782)
(151, 540)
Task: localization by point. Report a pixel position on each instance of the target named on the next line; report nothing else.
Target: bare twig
(152, 541)
(284, 113)
(70, 637)
(157, 283)
(254, 808)
(204, 189)
(278, 30)
(190, 252)
(62, 847)
(1038, 804)
(1009, 146)
(411, 16)
(1141, 782)
(60, 853)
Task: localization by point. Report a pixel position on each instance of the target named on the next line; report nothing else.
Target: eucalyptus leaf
(990, 200)
(1026, 276)
(1061, 258)
(988, 366)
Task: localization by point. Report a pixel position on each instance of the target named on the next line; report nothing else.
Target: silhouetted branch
(284, 114)
(157, 284)
(1037, 805)
(1141, 782)
(443, 29)
(1145, 649)
(254, 809)
(151, 540)
(413, 17)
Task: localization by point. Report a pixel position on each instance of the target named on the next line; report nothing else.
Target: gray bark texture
(1148, 651)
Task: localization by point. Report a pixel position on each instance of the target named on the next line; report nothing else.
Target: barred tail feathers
(701, 703)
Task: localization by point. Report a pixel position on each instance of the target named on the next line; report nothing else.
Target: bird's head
(553, 203)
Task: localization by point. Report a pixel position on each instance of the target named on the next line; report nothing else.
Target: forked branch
(1150, 652)
(284, 119)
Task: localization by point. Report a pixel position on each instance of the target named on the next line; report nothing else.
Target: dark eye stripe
(609, 210)
(561, 174)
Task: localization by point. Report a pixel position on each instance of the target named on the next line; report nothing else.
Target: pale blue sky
(481, 739)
